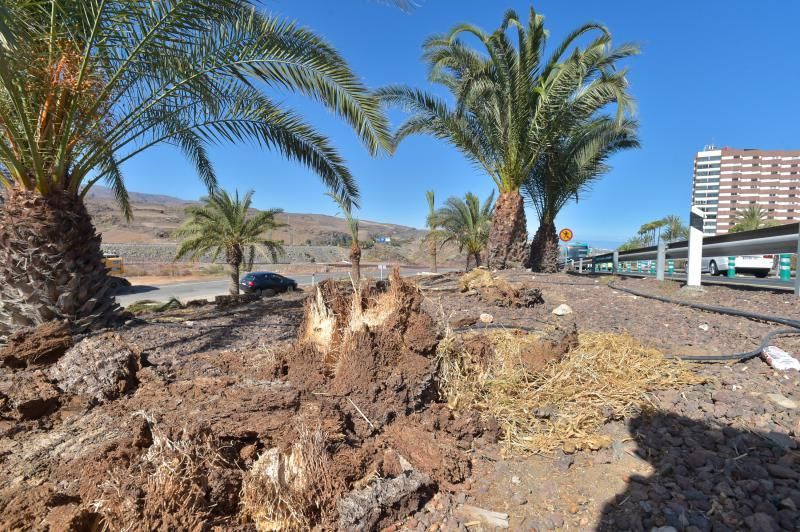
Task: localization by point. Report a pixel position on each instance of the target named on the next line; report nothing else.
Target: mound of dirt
(499, 292)
(28, 395)
(366, 368)
(37, 345)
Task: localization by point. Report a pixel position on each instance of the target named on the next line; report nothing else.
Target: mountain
(155, 217)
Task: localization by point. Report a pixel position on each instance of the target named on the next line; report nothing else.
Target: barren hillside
(157, 216)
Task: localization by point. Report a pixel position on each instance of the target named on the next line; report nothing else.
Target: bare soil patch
(330, 410)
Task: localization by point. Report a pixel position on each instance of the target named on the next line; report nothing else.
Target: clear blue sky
(725, 71)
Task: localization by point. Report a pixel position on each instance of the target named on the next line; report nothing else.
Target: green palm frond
(224, 225)
(465, 222)
(86, 82)
(513, 103)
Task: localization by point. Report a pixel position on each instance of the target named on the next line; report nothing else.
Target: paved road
(742, 280)
(208, 289)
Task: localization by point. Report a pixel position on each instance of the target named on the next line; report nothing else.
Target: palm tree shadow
(708, 477)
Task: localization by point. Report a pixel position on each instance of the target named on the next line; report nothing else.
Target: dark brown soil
(37, 345)
(217, 388)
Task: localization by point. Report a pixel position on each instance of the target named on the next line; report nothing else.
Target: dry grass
(607, 376)
(290, 491)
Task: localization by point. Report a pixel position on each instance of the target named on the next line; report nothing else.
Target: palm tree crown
(513, 103)
(85, 85)
(223, 225)
(750, 219)
(466, 223)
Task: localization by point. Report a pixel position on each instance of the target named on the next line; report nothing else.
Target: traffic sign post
(731, 267)
(381, 268)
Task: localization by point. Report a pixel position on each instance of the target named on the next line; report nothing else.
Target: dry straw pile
(607, 376)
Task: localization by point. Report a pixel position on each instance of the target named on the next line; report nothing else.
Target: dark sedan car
(266, 283)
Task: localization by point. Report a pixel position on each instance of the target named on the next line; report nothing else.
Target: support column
(695, 262)
(615, 261)
(661, 256)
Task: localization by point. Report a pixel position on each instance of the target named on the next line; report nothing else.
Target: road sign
(565, 234)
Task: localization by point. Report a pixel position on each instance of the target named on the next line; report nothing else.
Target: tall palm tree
(567, 170)
(355, 246)
(512, 103)
(750, 219)
(223, 225)
(434, 237)
(466, 222)
(86, 85)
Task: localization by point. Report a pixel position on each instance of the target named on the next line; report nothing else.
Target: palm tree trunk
(433, 253)
(355, 261)
(234, 258)
(543, 256)
(508, 234)
(234, 288)
(51, 265)
(466, 268)
(477, 259)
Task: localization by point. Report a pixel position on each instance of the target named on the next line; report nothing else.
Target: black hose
(739, 357)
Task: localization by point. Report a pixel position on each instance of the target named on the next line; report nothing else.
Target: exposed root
(175, 494)
(291, 491)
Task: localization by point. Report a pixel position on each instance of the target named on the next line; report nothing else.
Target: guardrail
(771, 240)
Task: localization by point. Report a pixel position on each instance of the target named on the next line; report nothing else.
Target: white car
(758, 265)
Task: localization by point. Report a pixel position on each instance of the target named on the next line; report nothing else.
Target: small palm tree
(466, 223)
(355, 246)
(435, 235)
(86, 85)
(223, 225)
(512, 104)
(750, 219)
(567, 170)
(675, 229)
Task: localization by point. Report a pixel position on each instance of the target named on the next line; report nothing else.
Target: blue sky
(721, 71)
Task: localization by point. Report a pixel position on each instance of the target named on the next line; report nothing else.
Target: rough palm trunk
(433, 254)
(543, 256)
(477, 259)
(469, 256)
(508, 234)
(355, 261)
(51, 265)
(235, 257)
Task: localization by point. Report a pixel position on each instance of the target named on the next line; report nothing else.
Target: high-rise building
(727, 181)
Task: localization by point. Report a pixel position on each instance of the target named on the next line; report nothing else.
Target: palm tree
(635, 242)
(567, 170)
(434, 237)
(355, 246)
(222, 225)
(466, 222)
(512, 104)
(750, 219)
(675, 229)
(87, 85)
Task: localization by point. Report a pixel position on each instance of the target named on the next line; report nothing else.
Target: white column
(694, 266)
(661, 255)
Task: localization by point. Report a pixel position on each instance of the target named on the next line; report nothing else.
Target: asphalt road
(208, 289)
(741, 280)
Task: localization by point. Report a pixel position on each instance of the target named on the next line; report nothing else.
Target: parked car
(266, 283)
(758, 265)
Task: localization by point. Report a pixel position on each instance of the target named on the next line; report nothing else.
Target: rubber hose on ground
(739, 357)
